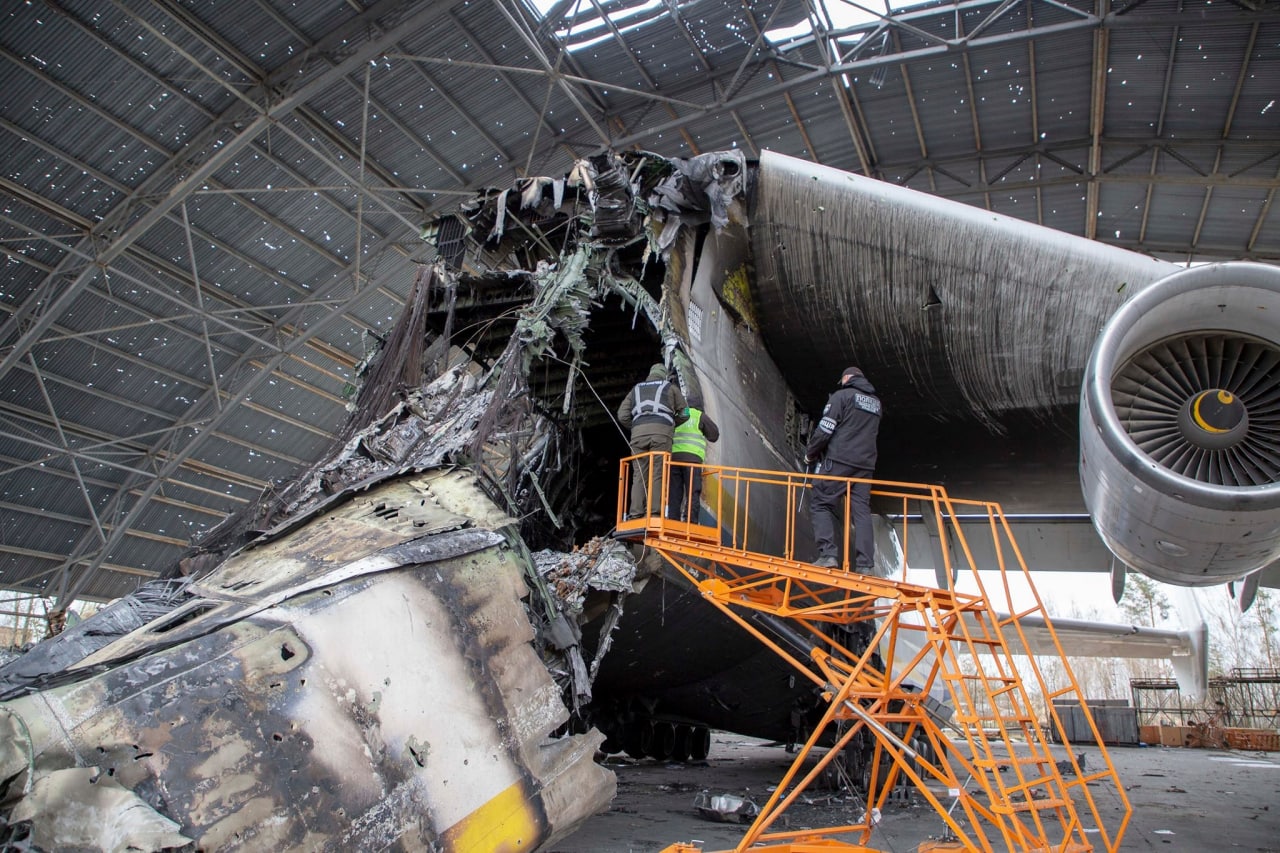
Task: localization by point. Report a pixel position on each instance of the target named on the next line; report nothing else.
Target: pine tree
(1143, 599)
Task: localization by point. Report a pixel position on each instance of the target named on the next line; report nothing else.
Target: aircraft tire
(663, 743)
(637, 738)
(699, 743)
(683, 743)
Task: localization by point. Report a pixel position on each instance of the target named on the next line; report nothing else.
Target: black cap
(850, 373)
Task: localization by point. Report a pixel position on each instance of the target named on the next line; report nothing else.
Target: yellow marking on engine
(1200, 421)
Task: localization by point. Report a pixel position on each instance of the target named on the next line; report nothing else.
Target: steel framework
(992, 761)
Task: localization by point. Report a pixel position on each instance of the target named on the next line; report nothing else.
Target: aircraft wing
(1186, 650)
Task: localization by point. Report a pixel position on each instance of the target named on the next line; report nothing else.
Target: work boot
(827, 562)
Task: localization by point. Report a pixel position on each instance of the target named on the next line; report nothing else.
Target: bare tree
(1266, 610)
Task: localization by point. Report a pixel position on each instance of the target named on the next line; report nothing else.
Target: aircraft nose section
(1215, 419)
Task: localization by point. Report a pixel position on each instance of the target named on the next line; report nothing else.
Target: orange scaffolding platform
(988, 771)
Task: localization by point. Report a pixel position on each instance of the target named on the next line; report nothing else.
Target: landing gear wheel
(684, 738)
(663, 743)
(699, 743)
(638, 739)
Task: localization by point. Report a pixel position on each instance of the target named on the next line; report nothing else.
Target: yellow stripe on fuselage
(506, 824)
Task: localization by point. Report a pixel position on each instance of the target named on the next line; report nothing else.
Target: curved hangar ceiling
(209, 209)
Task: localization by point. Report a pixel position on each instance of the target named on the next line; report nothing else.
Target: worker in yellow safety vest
(689, 446)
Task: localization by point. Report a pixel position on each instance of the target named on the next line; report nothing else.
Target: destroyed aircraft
(408, 643)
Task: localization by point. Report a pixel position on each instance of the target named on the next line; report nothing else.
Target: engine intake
(1180, 426)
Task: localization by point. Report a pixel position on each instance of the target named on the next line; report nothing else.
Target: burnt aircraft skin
(366, 680)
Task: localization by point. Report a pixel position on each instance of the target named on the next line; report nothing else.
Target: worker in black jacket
(844, 445)
(650, 412)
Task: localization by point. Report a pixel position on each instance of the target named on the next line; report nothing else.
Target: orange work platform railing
(988, 770)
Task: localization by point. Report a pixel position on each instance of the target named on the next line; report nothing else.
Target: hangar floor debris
(1184, 801)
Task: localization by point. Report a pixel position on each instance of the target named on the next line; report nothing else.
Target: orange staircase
(988, 772)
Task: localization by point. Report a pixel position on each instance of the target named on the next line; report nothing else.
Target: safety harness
(649, 407)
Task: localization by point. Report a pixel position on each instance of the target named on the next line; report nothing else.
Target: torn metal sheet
(84, 808)
(365, 680)
(725, 808)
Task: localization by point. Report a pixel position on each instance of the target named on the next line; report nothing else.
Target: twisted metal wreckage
(372, 654)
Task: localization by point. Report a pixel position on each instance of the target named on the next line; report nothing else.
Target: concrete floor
(1184, 801)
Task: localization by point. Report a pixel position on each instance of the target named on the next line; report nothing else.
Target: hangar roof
(210, 210)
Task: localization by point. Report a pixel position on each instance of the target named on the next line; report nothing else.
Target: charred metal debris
(482, 429)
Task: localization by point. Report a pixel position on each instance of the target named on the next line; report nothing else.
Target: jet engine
(1180, 426)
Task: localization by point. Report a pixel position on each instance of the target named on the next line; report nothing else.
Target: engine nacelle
(1180, 426)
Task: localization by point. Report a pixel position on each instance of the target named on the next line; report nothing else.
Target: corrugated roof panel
(1063, 204)
(97, 72)
(26, 571)
(943, 105)
(23, 237)
(158, 522)
(890, 127)
(256, 33)
(121, 31)
(1255, 114)
(314, 20)
(326, 219)
(154, 342)
(1204, 80)
(84, 419)
(149, 556)
(197, 488)
(825, 127)
(1268, 233)
(65, 188)
(17, 279)
(48, 533)
(287, 449)
(36, 106)
(109, 585)
(1229, 208)
(116, 333)
(1175, 210)
(1119, 206)
(326, 377)
(247, 468)
(1138, 62)
(1002, 87)
(238, 281)
(1249, 161)
(507, 105)
(276, 256)
(20, 399)
(960, 176)
(1019, 204)
(85, 364)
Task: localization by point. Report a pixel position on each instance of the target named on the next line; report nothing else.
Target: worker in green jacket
(689, 445)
